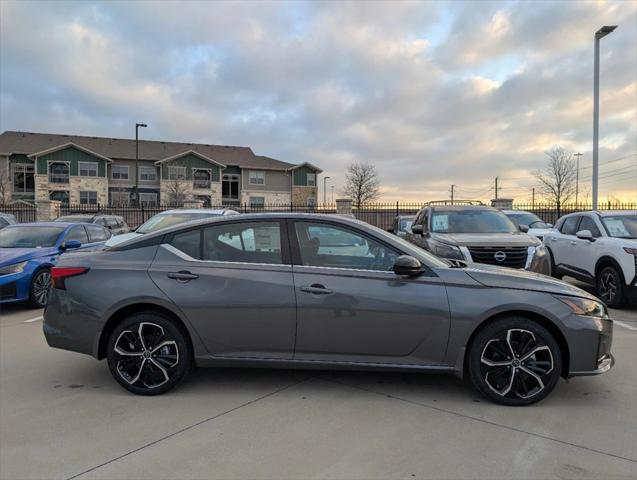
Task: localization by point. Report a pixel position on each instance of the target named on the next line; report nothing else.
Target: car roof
(205, 211)
(608, 213)
(463, 207)
(513, 212)
(46, 224)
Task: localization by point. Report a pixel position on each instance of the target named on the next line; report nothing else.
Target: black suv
(114, 223)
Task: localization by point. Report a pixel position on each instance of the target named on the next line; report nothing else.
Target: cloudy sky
(432, 93)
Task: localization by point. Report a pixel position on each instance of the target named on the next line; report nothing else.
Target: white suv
(599, 248)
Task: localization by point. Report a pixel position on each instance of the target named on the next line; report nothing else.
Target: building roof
(67, 145)
(122, 148)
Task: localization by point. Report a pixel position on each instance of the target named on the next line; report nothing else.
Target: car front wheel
(514, 361)
(39, 292)
(148, 353)
(610, 287)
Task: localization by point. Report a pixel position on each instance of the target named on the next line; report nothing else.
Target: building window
(88, 169)
(88, 198)
(120, 198)
(230, 187)
(59, 195)
(59, 172)
(201, 178)
(311, 179)
(256, 177)
(119, 172)
(148, 174)
(148, 199)
(257, 202)
(23, 180)
(176, 172)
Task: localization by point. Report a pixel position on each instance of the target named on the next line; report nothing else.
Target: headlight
(584, 306)
(445, 250)
(540, 251)
(15, 268)
(632, 251)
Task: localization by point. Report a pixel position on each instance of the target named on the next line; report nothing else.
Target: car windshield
(621, 226)
(164, 220)
(74, 219)
(471, 221)
(29, 237)
(529, 219)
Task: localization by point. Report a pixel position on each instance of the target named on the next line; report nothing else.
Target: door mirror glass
(417, 229)
(70, 244)
(585, 235)
(407, 265)
(524, 228)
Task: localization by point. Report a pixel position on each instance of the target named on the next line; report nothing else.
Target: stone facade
(76, 184)
(269, 198)
(47, 210)
(300, 195)
(189, 193)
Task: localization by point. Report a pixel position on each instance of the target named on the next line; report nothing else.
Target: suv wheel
(39, 291)
(514, 361)
(610, 287)
(148, 353)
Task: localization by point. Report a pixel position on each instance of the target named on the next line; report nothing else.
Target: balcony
(58, 173)
(201, 179)
(201, 183)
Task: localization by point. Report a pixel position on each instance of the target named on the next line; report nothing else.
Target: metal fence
(22, 213)
(551, 213)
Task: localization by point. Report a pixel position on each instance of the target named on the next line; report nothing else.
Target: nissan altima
(319, 292)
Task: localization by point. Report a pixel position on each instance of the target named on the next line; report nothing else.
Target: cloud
(431, 93)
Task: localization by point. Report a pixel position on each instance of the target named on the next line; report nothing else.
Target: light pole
(137, 125)
(599, 34)
(325, 190)
(578, 154)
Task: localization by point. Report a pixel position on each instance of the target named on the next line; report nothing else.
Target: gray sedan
(318, 292)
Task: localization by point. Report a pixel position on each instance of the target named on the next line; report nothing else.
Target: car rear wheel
(39, 292)
(514, 361)
(148, 353)
(610, 287)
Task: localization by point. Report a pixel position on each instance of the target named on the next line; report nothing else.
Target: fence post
(397, 213)
(245, 207)
(291, 206)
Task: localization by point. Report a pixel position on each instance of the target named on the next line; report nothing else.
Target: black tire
(509, 379)
(39, 289)
(610, 287)
(147, 367)
(554, 272)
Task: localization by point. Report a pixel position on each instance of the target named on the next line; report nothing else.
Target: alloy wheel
(41, 284)
(146, 355)
(515, 364)
(607, 286)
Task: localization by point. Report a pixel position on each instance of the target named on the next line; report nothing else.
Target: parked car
(29, 250)
(529, 221)
(477, 233)
(116, 224)
(402, 225)
(6, 219)
(316, 291)
(599, 248)
(169, 218)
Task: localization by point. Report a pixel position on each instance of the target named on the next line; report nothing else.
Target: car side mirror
(70, 244)
(524, 228)
(417, 229)
(585, 235)
(407, 265)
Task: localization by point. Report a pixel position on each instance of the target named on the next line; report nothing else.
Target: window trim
(250, 182)
(127, 167)
(88, 191)
(578, 216)
(177, 168)
(139, 174)
(307, 179)
(79, 169)
(154, 194)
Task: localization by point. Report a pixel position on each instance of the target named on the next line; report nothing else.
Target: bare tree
(557, 180)
(178, 187)
(5, 183)
(361, 183)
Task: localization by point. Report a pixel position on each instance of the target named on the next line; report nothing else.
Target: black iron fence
(23, 213)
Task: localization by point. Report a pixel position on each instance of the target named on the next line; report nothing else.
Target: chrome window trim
(188, 258)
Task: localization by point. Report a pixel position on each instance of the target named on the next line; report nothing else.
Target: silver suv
(476, 233)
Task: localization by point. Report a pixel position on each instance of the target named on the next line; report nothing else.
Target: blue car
(29, 250)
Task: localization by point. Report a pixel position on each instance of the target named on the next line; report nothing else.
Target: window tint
(569, 227)
(324, 245)
(77, 233)
(243, 242)
(588, 223)
(111, 222)
(97, 233)
(3, 222)
(188, 242)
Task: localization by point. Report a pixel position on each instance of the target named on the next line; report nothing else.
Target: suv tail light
(60, 274)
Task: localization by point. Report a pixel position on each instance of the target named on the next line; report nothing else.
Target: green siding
(73, 156)
(191, 162)
(20, 158)
(300, 176)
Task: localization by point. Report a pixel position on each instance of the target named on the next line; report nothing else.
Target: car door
(585, 253)
(352, 307)
(233, 281)
(562, 244)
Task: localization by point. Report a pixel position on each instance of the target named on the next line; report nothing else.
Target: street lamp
(325, 190)
(601, 33)
(137, 125)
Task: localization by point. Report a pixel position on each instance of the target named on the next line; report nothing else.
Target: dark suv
(114, 223)
(473, 232)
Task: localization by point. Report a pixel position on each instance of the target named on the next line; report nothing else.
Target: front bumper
(15, 287)
(604, 364)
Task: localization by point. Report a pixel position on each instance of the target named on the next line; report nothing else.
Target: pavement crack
(477, 419)
(190, 427)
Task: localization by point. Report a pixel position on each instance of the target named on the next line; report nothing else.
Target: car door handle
(182, 275)
(316, 289)
(573, 242)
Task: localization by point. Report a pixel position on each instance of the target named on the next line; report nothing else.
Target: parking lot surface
(63, 416)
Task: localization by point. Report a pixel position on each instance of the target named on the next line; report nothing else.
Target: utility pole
(137, 125)
(602, 32)
(496, 188)
(533, 197)
(325, 190)
(332, 199)
(452, 187)
(578, 154)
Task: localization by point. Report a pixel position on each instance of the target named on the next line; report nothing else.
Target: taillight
(60, 274)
